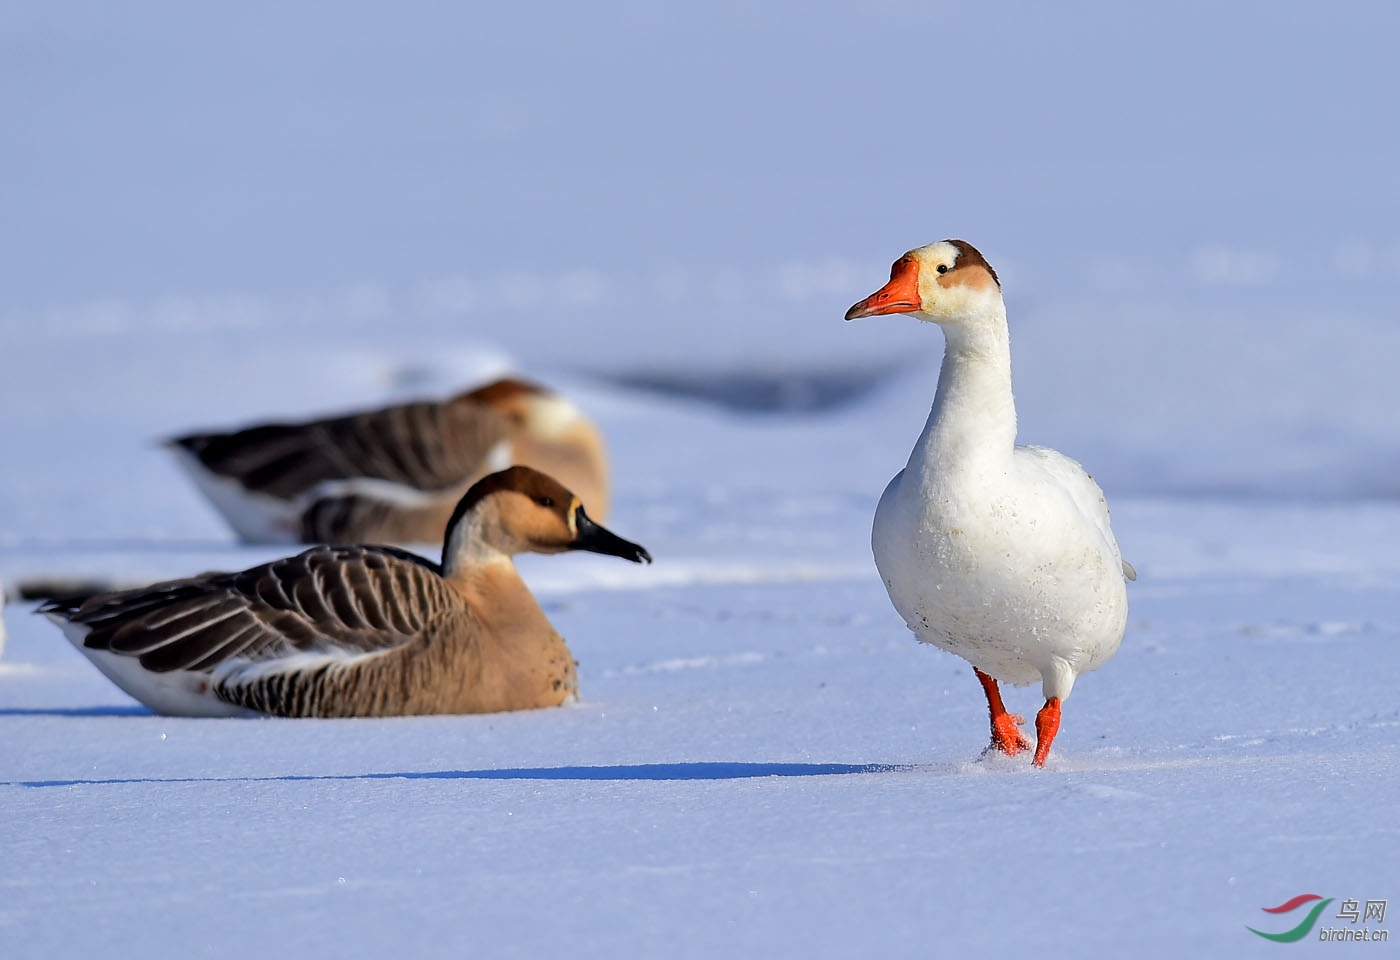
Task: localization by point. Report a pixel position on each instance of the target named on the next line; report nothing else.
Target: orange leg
(1006, 730)
(1047, 724)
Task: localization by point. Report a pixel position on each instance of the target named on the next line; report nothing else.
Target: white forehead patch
(550, 415)
(940, 252)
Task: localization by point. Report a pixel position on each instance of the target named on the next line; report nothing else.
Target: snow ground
(763, 761)
(216, 217)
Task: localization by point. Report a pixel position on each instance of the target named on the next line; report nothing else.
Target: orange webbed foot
(1007, 736)
(1006, 727)
(1047, 724)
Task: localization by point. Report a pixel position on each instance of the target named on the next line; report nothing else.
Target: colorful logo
(1302, 929)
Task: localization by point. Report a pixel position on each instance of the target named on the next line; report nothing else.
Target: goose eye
(942, 268)
(545, 501)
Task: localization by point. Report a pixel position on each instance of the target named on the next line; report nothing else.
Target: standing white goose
(999, 553)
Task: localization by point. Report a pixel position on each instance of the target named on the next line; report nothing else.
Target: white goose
(999, 553)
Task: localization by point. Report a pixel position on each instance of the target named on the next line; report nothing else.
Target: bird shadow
(116, 710)
(713, 770)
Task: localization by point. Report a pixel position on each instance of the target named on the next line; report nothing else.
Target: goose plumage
(1001, 554)
(394, 474)
(365, 631)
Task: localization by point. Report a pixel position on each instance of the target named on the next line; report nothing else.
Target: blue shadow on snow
(115, 710)
(638, 771)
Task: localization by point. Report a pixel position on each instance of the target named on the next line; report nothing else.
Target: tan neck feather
(476, 542)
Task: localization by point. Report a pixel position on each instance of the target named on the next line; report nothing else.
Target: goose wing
(1085, 493)
(364, 518)
(325, 604)
(421, 446)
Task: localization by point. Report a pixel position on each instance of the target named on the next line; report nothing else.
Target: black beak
(596, 539)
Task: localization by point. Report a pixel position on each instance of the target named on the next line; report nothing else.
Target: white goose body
(1001, 554)
(1001, 564)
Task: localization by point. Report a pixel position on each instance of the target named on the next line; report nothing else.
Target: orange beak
(900, 295)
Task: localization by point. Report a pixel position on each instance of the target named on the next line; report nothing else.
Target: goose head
(552, 435)
(947, 283)
(521, 510)
(530, 408)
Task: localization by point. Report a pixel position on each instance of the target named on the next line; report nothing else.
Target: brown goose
(391, 475)
(357, 631)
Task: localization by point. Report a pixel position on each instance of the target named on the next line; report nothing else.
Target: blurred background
(213, 215)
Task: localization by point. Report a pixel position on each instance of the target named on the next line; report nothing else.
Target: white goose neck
(468, 548)
(973, 420)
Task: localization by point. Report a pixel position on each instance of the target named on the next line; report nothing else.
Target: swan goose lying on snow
(999, 553)
(391, 475)
(357, 631)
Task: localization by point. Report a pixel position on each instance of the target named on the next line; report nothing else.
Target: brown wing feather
(330, 600)
(361, 518)
(426, 446)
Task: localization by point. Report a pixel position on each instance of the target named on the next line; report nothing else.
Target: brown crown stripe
(504, 390)
(527, 480)
(970, 256)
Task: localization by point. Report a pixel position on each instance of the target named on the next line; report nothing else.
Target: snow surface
(213, 218)
(762, 761)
